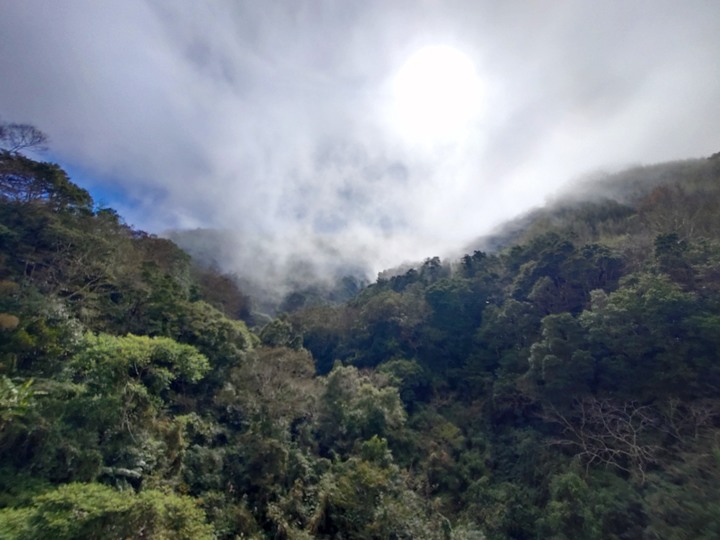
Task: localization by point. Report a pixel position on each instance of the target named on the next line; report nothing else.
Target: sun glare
(437, 94)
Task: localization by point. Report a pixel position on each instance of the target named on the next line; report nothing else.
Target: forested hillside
(565, 385)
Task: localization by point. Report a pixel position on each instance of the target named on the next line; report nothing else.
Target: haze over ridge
(273, 119)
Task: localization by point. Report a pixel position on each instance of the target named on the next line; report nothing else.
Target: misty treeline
(276, 281)
(562, 386)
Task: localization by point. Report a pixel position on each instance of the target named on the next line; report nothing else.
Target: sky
(287, 122)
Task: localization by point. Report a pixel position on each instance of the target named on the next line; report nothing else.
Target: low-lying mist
(320, 268)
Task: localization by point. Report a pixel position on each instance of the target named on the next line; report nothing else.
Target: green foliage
(104, 418)
(15, 400)
(411, 379)
(95, 511)
(504, 338)
(108, 363)
(387, 326)
(570, 513)
(46, 334)
(354, 407)
(563, 387)
(274, 388)
(326, 330)
(559, 361)
(640, 337)
(280, 333)
(367, 500)
(23, 180)
(682, 501)
(204, 327)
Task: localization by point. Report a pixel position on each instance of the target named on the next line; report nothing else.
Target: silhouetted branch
(16, 137)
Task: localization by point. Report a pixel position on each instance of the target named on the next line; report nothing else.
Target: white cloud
(271, 118)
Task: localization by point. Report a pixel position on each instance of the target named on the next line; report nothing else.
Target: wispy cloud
(272, 118)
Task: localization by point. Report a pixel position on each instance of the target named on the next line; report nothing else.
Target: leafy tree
(353, 407)
(456, 312)
(271, 387)
(95, 511)
(280, 333)
(204, 327)
(388, 325)
(15, 400)
(103, 414)
(412, 380)
(107, 363)
(582, 508)
(23, 180)
(504, 338)
(639, 336)
(326, 332)
(670, 253)
(560, 362)
(368, 498)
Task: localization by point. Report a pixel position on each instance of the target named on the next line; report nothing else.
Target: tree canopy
(564, 385)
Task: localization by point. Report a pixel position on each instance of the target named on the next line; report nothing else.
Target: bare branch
(608, 433)
(16, 137)
(688, 421)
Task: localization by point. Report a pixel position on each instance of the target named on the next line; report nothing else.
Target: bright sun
(437, 94)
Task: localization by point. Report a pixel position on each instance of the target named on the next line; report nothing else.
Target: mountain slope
(562, 385)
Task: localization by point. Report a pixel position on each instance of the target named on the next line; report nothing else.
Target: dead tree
(608, 433)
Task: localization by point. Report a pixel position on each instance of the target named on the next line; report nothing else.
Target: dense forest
(563, 383)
